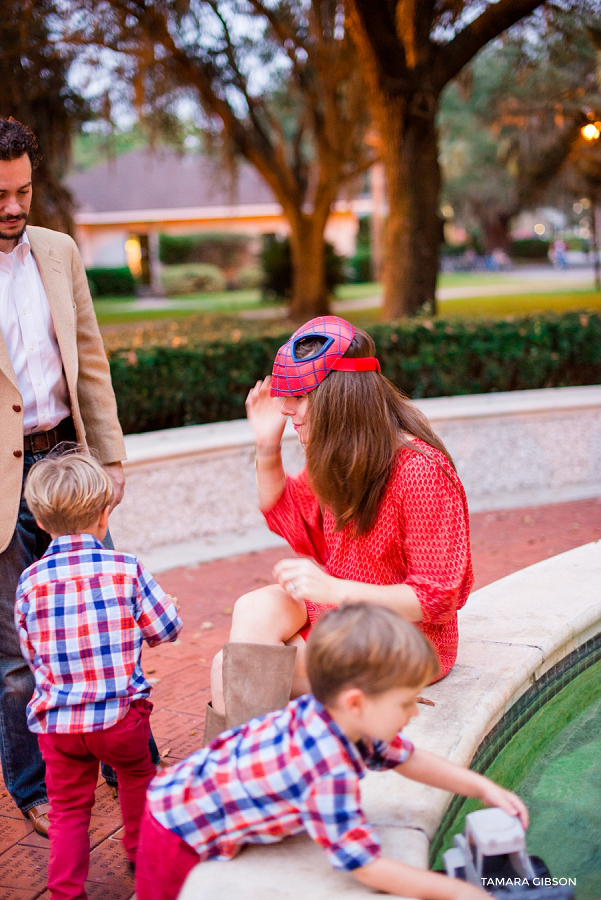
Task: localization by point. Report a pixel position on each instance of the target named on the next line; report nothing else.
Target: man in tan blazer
(54, 385)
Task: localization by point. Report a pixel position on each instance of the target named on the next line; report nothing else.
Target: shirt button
(17, 453)
(32, 346)
(39, 383)
(16, 407)
(43, 415)
(24, 311)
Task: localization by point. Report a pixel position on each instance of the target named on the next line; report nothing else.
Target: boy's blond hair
(369, 647)
(67, 493)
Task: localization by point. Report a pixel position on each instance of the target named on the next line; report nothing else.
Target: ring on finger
(292, 587)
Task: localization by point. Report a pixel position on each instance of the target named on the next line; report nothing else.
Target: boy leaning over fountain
(82, 613)
(299, 769)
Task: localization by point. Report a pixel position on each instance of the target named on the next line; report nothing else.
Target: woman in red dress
(378, 514)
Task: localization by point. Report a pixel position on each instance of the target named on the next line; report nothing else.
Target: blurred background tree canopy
(34, 89)
(410, 50)
(511, 120)
(278, 85)
(310, 93)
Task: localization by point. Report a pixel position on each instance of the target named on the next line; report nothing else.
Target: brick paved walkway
(502, 542)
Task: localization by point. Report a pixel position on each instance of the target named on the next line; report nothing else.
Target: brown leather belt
(46, 440)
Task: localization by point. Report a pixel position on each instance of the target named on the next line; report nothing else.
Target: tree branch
(289, 42)
(413, 24)
(239, 78)
(495, 19)
(374, 25)
(535, 178)
(251, 141)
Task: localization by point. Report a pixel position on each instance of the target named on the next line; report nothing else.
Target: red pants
(164, 861)
(71, 775)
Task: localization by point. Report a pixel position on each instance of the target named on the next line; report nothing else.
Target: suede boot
(257, 679)
(214, 725)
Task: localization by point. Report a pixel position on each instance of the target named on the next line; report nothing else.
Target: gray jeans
(22, 764)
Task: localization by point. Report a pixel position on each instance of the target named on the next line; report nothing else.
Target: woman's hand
(494, 795)
(303, 580)
(265, 416)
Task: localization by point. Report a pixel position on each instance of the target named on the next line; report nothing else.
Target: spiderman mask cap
(294, 376)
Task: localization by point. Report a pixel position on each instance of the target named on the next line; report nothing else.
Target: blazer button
(16, 407)
(17, 453)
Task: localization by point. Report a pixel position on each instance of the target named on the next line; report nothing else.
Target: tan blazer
(84, 363)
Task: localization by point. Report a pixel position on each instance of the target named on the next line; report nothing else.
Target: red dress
(420, 537)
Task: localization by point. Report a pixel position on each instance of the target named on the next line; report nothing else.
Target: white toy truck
(492, 855)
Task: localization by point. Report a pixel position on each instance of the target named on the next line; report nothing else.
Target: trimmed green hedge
(529, 248)
(165, 387)
(116, 282)
(222, 249)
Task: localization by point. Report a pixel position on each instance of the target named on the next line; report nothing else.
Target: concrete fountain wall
(511, 633)
(191, 492)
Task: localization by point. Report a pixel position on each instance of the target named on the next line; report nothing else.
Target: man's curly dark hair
(16, 140)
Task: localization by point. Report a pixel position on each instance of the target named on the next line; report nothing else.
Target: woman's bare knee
(267, 616)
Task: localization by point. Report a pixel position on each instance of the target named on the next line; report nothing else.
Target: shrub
(174, 250)
(276, 264)
(192, 279)
(473, 243)
(276, 261)
(248, 278)
(111, 282)
(529, 248)
(453, 249)
(578, 243)
(164, 387)
(224, 250)
(361, 266)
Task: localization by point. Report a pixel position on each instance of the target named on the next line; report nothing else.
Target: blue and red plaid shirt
(82, 613)
(290, 771)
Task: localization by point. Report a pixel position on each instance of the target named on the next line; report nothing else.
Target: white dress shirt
(28, 330)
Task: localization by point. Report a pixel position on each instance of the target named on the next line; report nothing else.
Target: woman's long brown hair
(357, 423)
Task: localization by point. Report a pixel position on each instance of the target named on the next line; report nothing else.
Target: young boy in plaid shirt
(82, 613)
(299, 769)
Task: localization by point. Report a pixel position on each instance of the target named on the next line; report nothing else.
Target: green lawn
(452, 279)
(120, 310)
(507, 305)
(520, 304)
(138, 315)
(245, 299)
(358, 291)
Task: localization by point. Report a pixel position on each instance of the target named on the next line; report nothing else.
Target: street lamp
(590, 132)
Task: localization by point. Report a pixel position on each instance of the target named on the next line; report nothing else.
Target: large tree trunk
(309, 291)
(52, 203)
(414, 228)
(495, 232)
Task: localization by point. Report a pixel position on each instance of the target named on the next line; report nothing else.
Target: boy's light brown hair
(67, 493)
(369, 647)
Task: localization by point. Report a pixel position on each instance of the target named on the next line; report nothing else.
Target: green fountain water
(553, 761)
